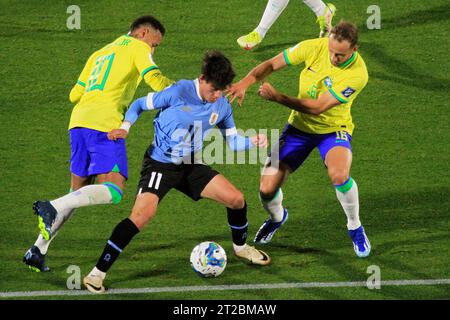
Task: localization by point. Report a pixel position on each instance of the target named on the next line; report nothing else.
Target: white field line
(292, 285)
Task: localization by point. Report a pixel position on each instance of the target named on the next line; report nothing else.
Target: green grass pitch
(401, 151)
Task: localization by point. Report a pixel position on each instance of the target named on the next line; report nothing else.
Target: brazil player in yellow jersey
(101, 96)
(333, 76)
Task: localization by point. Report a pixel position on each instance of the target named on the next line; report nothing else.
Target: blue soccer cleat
(268, 228)
(361, 243)
(46, 216)
(35, 260)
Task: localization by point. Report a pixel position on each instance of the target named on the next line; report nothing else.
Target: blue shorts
(92, 153)
(294, 146)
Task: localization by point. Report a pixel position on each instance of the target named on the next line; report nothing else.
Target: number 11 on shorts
(152, 179)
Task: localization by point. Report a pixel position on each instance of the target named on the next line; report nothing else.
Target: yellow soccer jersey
(319, 76)
(108, 82)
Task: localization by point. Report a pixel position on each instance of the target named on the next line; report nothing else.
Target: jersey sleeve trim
(337, 97)
(148, 70)
(81, 83)
(150, 105)
(230, 132)
(286, 58)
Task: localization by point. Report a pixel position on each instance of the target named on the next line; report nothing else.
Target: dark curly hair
(217, 70)
(147, 20)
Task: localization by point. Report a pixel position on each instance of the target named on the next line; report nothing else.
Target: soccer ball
(208, 259)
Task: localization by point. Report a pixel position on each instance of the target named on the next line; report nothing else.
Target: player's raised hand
(117, 134)
(236, 90)
(260, 140)
(267, 91)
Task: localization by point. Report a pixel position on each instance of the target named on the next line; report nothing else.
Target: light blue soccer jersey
(184, 120)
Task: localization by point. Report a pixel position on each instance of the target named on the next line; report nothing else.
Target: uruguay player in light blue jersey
(187, 111)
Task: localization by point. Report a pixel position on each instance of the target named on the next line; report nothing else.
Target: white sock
(238, 248)
(60, 219)
(350, 203)
(273, 10)
(97, 273)
(274, 207)
(317, 6)
(65, 205)
(86, 196)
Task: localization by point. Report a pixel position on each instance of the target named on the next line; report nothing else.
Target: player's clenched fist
(260, 140)
(267, 91)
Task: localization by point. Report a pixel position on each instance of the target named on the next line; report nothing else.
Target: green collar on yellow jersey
(349, 61)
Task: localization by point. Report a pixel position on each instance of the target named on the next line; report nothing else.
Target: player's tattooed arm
(259, 73)
(325, 102)
(136, 108)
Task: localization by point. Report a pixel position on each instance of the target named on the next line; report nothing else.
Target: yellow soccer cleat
(325, 20)
(249, 41)
(255, 256)
(94, 284)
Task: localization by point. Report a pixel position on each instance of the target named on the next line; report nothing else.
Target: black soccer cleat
(268, 229)
(46, 216)
(35, 260)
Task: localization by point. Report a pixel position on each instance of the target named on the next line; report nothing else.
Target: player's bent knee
(338, 176)
(116, 192)
(267, 190)
(237, 201)
(269, 185)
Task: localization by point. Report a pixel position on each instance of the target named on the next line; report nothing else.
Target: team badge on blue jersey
(213, 118)
(348, 92)
(328, 82)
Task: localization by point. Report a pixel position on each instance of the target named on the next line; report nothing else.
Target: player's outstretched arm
(238, 143)
(309, 106)
(131, 116)
(260, 72)
(152, 101)
(135, 110)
